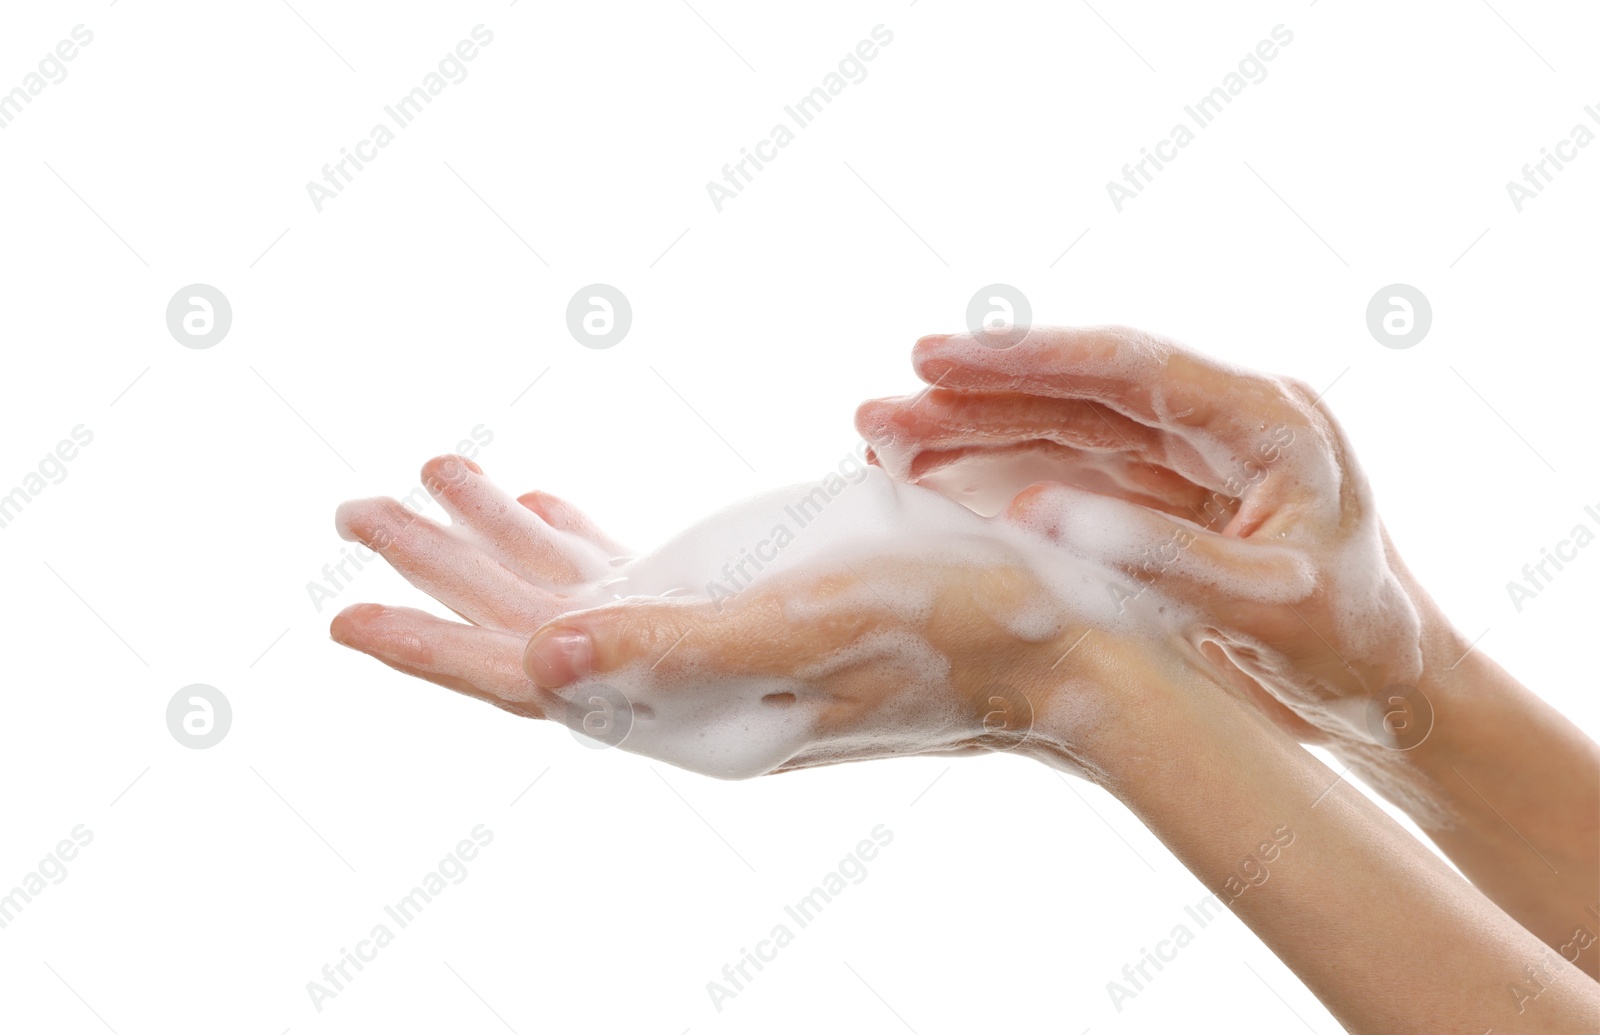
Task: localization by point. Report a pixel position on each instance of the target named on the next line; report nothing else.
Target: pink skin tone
(1263, 481)
(1141, 419)
(495, 578)
(1139, 713)
(510, 567)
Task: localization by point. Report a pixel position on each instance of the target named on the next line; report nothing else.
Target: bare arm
(817, 667)
(1509, 789)
(1234, 486)
(1378, 927)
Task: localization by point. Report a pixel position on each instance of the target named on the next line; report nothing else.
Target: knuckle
(645, 634)
(1296, 391)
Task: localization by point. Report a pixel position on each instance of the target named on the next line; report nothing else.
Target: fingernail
(558, 657)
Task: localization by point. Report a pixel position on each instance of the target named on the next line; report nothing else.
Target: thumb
(661, 635)
(1149, 546)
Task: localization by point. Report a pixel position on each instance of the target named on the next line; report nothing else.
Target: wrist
(1124, 714)
(1421, 727)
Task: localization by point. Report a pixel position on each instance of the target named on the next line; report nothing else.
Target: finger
(558, 513)
(717, 692)
(986, 478)
(1217, 411)
(941, 419)
(744, 638)
(512, 534)
(445, 566)
(1263, 435)
(1177, 558)
(481, 663)
(1010, 441)
(792, 630)
(1147, 377)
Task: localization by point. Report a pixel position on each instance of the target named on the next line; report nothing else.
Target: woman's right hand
(1234, 492)
(1238, 494)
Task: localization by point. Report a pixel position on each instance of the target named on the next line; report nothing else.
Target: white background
(378, 332)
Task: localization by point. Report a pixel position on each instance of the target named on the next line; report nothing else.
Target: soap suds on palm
(705, 719)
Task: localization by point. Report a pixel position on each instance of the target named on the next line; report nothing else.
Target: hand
(499, 566)
(889, 622)
(892, 621)
(1235, 492)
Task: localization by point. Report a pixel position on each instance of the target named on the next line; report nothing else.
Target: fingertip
(373, 522)
(1050, 508)
(348, 624)
(447, 471)
(1027, 503)
(353, 520)
(874, 416)
(932, 358)
(538, 502)
(559, 514)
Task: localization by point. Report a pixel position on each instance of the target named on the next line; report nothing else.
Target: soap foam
(1090, 554)
(1265, 445)
(696, 714)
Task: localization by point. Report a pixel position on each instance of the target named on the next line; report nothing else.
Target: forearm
(1354, 905)
(1509, 789)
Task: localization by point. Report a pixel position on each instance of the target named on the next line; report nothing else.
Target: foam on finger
(507, 531)
(853, 561)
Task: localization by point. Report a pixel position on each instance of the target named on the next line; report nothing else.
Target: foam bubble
(850, 540)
